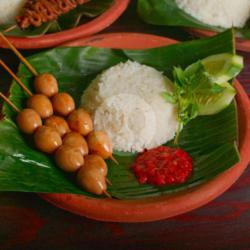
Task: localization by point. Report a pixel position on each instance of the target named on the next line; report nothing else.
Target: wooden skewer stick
(9, 102)
(10, 28)
(109, 182)
(19, 55)
(114, 160)
(107, 194)
(15, 77)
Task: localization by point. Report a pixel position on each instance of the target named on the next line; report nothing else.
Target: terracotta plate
(241, 44)
(165, 206)
(84, 30)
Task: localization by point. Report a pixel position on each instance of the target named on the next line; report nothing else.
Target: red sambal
(163, 166)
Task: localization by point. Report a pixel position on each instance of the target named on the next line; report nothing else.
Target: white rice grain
(125, 101)
(131, 125)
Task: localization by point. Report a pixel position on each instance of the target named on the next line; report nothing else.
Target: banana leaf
(210, 140)
(83, 13)
(167, 12)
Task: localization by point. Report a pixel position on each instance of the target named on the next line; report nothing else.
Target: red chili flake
(163, 166)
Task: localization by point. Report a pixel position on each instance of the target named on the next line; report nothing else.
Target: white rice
(9, 9)
(131, 124)
(125, 101)
(221, 13)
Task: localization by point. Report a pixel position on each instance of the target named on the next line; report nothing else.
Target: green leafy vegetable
(210, 140)
(193, 89)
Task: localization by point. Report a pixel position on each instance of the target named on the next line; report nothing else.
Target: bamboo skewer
(109, 182)
(10, 28)
(35, 73)
(114, 160)
(19, 55)
(15, 78)
(9, 102)
(107, 194)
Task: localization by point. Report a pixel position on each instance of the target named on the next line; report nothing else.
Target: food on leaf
(28, 120)
(46, 84)
(36, 12)
(223, 13)
(213, 15)
(33, 18)
(100, 144)
(201, 137)
(196, 91)
(58, 123)
(125, 101)
(41, 104)
(69, 152)
(163, 166)
(223, 67)
(75, 139)
(47, 139)
(80, 121)
(209, 104)
(69, 158)
(92, 176)
(63, 104)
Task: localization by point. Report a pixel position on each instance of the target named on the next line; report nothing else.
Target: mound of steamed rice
(9, 9)
(221, 13)
(125, 101)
